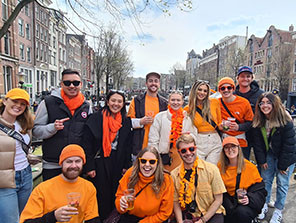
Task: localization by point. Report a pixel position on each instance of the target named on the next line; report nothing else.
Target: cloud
(233, 23)
(147, 38)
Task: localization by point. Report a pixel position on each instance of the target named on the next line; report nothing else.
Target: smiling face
(146, 168)
(176, 101)
(14, 108)
(188, 157)
(71, 91)
(231, 151)
(115, 103)
(153, 84)
(245, 79)
(202, 92)
(226, 90)
(265, 106)
(72, 167)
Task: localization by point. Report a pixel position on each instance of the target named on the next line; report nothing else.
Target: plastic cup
(73, 199)
(130, 198)
(240, 194)
(231, 119)
(225, 124)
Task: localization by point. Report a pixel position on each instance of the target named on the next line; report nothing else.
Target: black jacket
(140, 112)
(73, 128)
(282, 145)
(251, 95)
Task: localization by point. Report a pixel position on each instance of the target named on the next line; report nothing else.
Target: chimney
(291, 28)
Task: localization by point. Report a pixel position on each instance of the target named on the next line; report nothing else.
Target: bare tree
(235, 59)
(282, 60)
(179, 73)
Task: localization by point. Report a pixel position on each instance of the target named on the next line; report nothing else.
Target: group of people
(183, 164)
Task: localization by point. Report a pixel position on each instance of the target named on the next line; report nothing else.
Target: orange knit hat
(72, 150)
(230, 140)
(18, 93)
(226, 80)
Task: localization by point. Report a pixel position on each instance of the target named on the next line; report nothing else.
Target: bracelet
(203, 219)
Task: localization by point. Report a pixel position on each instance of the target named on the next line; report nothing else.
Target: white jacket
(160, 130)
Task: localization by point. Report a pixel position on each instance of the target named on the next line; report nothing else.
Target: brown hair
(158, 174)
(25, 119)
(224, 161)
(206, 111)
(278, 115)
(185, 138)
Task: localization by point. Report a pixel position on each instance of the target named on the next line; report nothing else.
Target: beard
(71, 173)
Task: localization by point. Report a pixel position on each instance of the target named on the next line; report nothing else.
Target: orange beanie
(226, 80)
(72, 150)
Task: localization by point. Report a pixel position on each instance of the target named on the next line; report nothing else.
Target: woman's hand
(284, 172)
(91, 173)
(264, 166)
(123, 203)
(244, 201)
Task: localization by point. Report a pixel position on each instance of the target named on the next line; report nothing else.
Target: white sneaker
(271, 204)
(276, 216)
(263, 212)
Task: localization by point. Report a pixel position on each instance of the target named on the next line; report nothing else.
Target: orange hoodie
(149, 206)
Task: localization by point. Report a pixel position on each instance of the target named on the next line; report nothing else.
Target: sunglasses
(68, 83)
(151, 161)
(228, 88)
(184, 150)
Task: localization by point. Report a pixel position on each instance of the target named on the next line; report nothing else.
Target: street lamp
(21, 76)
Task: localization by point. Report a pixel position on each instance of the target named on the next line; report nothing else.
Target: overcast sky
(165, 40)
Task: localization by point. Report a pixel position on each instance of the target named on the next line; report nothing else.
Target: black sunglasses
(151, 161)
(184, 150)
(228, 88)
(68, 83)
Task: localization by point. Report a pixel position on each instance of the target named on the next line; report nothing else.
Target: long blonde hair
(158, 174)
(278, 115)
(224, 161)
(206, 109)
(25, 119)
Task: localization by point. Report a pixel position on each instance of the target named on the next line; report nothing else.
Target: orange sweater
(249, 176)
(154, 208)
(151, 109)
(200, 123)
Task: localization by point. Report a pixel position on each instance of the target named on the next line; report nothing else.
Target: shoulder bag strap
(142, 189)
(212, 123)
(238, 177)
(14, 134)
(224, 105)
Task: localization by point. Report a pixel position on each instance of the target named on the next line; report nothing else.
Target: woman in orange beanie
(153, 190)
(16, 174)
(107, 144)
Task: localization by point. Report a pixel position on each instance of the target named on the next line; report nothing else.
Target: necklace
(176, 126)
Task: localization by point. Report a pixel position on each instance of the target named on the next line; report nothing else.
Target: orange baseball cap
(18, 93)
(230, 140)
(72, 150)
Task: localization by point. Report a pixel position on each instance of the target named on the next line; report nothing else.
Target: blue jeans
(13, 200)
(282, 181)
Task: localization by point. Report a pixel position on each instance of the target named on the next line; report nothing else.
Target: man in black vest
(143, 109)
(60, 120)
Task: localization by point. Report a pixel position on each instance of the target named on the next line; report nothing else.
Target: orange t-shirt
(241, 109)
(249, 176)
(153, 208)
(151, 109)
(201, 124)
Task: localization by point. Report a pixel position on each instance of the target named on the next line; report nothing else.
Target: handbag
(32, 159)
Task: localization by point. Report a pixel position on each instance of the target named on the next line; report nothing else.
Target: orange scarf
(72, 103)
(176, 126)
(110, 128)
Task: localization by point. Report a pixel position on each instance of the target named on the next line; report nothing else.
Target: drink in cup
(240, 194)
(73, 199)
(130, 198)
(225, 124)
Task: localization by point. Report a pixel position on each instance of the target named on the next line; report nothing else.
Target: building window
(27, 10)
(295, 66)
(54, 42)
(270, 40)
(37, 30)
(54, 58)
(7, 43)
(41, 33)
(22, 51)
(29, 54)
(4, 10)
(37, 50)
(7, 75)
(45, 35)
(64, 55)
(294, 85)
(41, 51)
(21, 27)
(28, 34)
(49, 56)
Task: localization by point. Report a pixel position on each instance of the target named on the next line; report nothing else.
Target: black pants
(241, 214)
(50, 173)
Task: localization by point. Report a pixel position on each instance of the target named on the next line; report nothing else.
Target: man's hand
(264, 166)
(59, 124)
(91, 173)
(233, 126)
(146, 120)
(64, 213)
